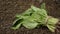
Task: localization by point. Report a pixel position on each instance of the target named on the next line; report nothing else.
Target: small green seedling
(33, 17)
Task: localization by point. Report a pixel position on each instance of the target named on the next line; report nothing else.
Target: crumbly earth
(9, 8)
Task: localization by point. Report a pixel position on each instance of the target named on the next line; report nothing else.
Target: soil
(9, 8)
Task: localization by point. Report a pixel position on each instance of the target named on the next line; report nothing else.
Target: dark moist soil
(9, 8)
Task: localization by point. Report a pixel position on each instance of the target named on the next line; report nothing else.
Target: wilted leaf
(16, 27)
(17, 23)
(28, 12)
(39, 11)
(30, 24)
(39, 14)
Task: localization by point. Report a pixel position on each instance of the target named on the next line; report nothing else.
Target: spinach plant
(33, 17)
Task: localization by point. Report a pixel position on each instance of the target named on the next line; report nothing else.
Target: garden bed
(9, 8)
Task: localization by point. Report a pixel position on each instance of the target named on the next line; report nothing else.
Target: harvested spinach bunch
(33, 17)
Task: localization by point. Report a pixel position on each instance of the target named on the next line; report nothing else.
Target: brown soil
(9, 8)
